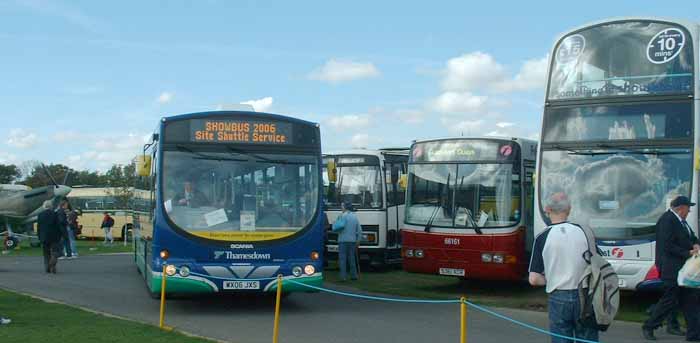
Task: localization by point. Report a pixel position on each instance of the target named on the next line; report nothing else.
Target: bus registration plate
(241, 284)
(451, 272)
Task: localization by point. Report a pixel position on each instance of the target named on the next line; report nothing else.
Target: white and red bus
(469, 207)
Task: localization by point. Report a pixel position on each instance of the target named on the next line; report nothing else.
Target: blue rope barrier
(525, 325)
(369, 297)
(419, 301)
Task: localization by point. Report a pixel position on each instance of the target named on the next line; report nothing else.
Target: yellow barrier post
(162, 298)
(463, 321)
(276, 329)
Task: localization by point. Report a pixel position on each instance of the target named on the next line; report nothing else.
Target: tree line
(34, 175)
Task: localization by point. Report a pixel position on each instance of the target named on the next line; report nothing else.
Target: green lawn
(37, 321)
(518, 295)
(85, 247)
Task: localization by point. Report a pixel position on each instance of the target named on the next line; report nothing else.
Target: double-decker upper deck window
(623, 58)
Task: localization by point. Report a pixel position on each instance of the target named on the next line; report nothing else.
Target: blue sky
(85, 81)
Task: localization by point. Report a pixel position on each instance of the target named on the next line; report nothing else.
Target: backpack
(600, 299)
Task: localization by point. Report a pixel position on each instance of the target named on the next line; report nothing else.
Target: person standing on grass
(107, 223)
(558, 263)
(349, 234)
(50, 236)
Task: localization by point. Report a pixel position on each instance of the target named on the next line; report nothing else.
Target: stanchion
(463, 320)
(162, 299)
(276, 329)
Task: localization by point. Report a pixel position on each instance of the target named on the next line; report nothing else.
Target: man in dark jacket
(676, 242)
(49, 235)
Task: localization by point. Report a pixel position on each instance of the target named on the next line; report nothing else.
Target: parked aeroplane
(20, 205)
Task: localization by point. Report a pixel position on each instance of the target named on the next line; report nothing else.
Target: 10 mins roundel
(665, 46)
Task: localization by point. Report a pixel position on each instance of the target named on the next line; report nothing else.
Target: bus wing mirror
(403, 181)
(332, 171)
(143, 165)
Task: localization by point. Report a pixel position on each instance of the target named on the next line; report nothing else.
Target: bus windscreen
(622, 58)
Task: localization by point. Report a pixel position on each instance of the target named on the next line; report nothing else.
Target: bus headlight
(296, 271)
(315, 255)
(164, 254)
(184, 271)
(498, 258)
(170, 270)
(419, 253)
(309, 270)
(409, 252)
(486, 258)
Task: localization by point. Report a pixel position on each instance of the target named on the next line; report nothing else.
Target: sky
(84, 82)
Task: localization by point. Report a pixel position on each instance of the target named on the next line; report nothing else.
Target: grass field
(518, 295)
(38, 321)
(84, 248)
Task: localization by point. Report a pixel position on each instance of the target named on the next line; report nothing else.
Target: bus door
(395, 200)
(528, 205)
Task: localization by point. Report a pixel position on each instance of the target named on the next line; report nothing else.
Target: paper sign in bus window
(216, 217)
(247, 220)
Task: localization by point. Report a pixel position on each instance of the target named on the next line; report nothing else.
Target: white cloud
(480, 71)
(532, 75)
(504, 125)
(8, 158)
(165, 97)
(350, 121)
(335, 71)
(360, 140)
(260, 105)
(65, 136)
(21, 138)
(462, 127)
(472, 71)
(450, 102)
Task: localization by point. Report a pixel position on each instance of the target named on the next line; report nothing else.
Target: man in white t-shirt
(557, 263)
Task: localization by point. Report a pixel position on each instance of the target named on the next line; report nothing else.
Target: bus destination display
(240, 131)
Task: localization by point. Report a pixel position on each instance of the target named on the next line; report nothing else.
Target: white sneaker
(5, 321)
(62, 258)
(75, 255)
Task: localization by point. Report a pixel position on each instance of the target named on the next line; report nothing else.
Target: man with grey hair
(558, 263)
(49, 235)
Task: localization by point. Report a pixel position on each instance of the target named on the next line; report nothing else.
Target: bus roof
(103, 192)
(690, 25)
(370, 152)
(196, 115)
(519, 140)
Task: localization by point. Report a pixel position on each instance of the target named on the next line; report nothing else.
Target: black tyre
(11, 243)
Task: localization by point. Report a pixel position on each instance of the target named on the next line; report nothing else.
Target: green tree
(9, 173)
(40, 177)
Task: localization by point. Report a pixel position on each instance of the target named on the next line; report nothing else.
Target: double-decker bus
(236, 203)
(619, 133)
(370, 179)
(468, 207)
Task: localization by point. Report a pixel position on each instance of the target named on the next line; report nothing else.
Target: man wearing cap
(676, 242)
(349, 233)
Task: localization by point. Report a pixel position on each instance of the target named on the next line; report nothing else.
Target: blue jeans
(564, 312)
(346, 255)
(69, 243)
